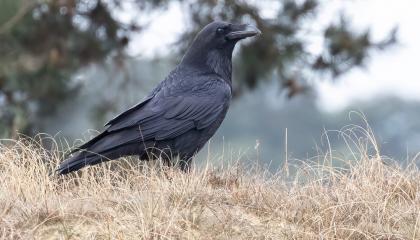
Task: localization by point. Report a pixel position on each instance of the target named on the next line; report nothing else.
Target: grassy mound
(363, 199)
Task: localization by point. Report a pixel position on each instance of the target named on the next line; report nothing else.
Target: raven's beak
(242, 31)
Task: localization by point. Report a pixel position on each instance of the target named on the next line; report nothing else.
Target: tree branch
(26, 6)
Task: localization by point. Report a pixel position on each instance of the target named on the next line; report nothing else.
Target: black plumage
(181, 114)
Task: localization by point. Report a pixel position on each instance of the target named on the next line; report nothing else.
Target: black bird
(181, 114)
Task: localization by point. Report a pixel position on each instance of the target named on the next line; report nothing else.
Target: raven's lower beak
(242, 31)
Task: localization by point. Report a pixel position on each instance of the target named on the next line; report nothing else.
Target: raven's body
(179, 116)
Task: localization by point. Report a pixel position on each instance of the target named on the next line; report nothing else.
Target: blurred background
(67, 66)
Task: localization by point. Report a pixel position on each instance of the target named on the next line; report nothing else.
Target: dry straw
(364, 198)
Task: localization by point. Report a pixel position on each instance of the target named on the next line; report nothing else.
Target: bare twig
(25, 7)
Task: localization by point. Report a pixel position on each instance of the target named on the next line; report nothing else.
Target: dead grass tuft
(363, 199)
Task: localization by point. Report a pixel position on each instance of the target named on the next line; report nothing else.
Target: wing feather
(166, 116)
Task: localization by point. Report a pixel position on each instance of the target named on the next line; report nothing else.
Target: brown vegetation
(365, 199)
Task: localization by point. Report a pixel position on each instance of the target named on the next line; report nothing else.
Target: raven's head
(214, 44)
(223, 35)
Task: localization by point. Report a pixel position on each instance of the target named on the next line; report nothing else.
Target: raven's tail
(85, 158)
(78, 161)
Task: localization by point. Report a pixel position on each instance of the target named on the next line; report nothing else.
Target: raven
(181, 114)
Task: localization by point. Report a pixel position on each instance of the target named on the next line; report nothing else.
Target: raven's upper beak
(242, 31)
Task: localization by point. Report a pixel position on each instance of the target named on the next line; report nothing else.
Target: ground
(362, 199)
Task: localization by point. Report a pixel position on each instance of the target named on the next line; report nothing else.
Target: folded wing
(165, 116)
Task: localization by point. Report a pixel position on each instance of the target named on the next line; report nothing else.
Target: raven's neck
(216, 61)
(220, 64)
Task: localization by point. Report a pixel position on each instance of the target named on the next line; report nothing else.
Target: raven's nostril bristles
(243, 31)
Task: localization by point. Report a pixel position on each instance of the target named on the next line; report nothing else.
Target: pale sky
(392, 73)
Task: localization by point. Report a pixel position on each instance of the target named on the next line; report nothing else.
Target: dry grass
(365, 199)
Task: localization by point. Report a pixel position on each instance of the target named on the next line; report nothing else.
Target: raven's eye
(220, 30)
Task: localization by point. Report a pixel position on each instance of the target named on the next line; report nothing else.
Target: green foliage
(283, 46)
(345, 49)
(43, 43)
